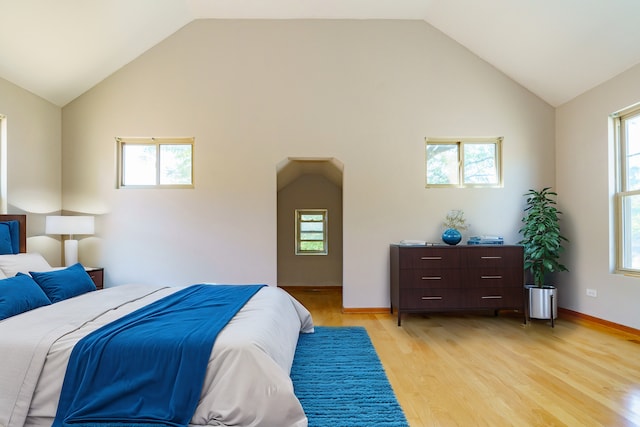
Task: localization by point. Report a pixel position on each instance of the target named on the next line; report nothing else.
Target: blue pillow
(59, 285)
(19, 294)
(5, 240)
(14, 236)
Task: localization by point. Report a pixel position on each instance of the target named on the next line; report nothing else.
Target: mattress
(247, 381)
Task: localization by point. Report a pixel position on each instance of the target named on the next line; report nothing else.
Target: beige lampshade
(69, 225)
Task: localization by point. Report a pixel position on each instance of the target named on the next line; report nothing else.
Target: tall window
(311, 232)
(627, 138)
(468, 162)
(3, 163)
(155, 162)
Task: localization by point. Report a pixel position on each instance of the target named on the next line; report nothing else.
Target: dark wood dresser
(464, 277)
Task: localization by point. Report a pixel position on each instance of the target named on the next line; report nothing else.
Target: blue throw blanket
(148, 368)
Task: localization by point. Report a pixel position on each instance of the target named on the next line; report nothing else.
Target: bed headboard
(22, 219)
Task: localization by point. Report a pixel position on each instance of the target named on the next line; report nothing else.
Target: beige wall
(255, 92)
(33, 173)
(309, 191)
(584, 165)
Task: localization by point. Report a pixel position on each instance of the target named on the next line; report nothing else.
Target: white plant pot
(542, 302)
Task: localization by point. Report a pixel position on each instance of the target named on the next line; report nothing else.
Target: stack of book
(485, 240)
(419, 243)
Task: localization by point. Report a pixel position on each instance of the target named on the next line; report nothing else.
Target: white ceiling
(557, 49)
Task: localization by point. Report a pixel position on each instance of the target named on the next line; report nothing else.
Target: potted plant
(453, 223)
(542, 243)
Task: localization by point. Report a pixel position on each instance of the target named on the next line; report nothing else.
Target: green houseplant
(541, 236)
(542, 243)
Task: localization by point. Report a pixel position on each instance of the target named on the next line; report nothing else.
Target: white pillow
(23, 263)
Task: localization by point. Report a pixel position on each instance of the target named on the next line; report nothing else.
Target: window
(311, 232)
(3, 163)
(468, 162)
(627, 142)
(155, 162)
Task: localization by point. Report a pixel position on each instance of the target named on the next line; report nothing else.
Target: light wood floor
(481, 370)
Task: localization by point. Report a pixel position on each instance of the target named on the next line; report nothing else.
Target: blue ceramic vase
(451, 236)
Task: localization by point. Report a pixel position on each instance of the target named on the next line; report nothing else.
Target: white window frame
(158, 142)
(459, 180)
(624, 195)
(4, 162)
(325, 231)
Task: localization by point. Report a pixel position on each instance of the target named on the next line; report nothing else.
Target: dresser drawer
(487, 256)
(430, 278)
(495, 298)
(429, 257)
(495, 277)
(430, 299)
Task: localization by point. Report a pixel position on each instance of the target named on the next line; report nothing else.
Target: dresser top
(445, 246)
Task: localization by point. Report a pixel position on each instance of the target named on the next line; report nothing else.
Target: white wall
(34, 164)
(255, 92)
(584, 162)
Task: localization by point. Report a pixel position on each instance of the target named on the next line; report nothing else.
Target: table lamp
(70, 225)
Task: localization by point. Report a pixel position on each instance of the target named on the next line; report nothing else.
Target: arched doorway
(309, 183)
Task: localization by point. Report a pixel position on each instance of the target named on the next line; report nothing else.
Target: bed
(246, 382)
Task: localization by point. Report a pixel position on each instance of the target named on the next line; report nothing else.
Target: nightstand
(97, 275)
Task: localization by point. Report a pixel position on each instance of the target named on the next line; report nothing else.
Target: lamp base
(70, 252)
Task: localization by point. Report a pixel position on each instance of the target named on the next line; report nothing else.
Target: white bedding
(247, 381)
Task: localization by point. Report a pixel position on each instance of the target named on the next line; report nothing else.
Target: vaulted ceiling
(557, 49)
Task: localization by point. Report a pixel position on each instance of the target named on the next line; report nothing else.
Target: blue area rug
(340, 381)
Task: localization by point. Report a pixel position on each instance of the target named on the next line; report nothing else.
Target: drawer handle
(431, 278)
(431, 298)
(492, 297)
(491, 277)
(490, 257)
(427, 258)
